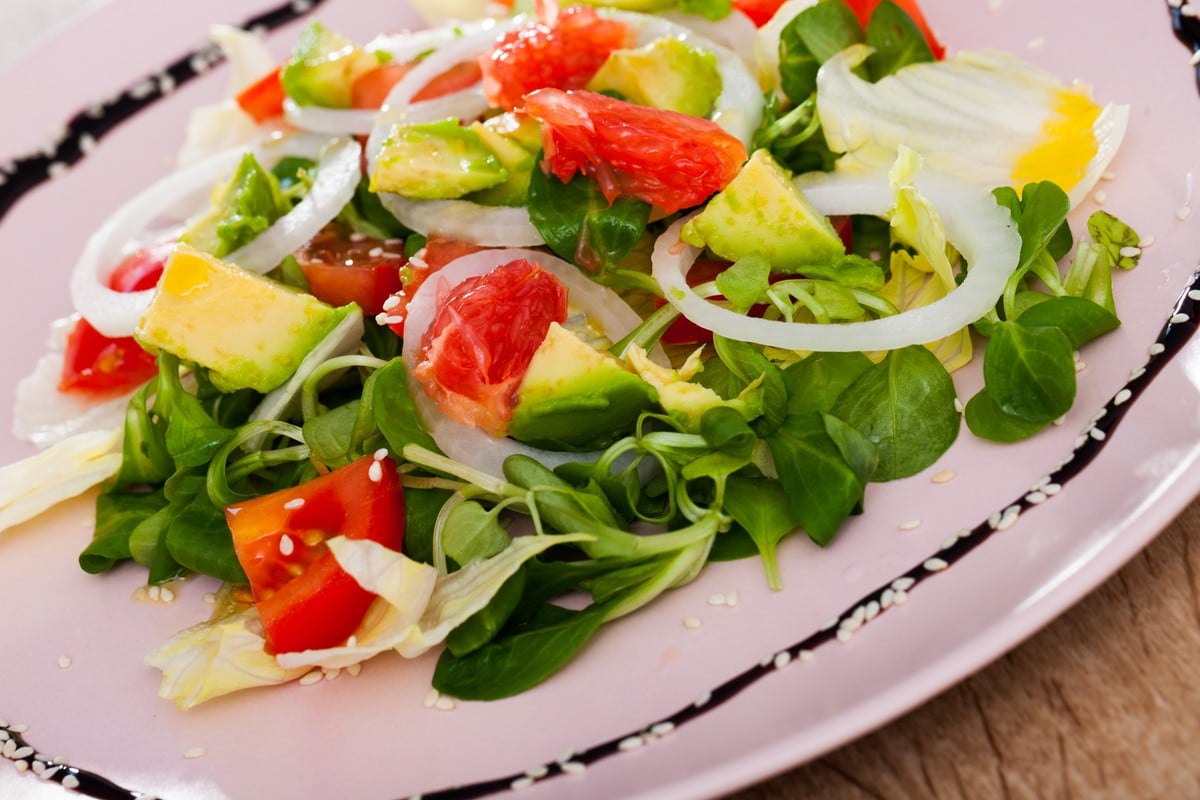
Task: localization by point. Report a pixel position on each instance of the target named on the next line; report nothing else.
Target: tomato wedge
(263, 99)
(98, 364)
(343, 267)
(668, 159)
(482, 338)
(306, 601)
(437, 253)
(562, 50)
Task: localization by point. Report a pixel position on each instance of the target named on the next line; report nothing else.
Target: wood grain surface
(1103, 703)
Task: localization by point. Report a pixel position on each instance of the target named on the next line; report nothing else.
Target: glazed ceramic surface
(760, 685)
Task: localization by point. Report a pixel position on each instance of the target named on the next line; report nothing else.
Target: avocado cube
(666, 73)
(324, 67)
(249, 331)
(574, 397)
(506, 137)
(762, 211)
(435, 161)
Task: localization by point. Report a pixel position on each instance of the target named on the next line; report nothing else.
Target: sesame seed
(167, 594)
(431, 698)
(1156, 349)
(22, 752)
(1183, 213)
(196, 752)
(209, 597)
(574, 767)
(198, 63)
(1130, 252)
(1136, 373)
(286, 545)
(312, 677)
(1037, 43)
(1100, 197)
(332, 674)
(766, 660)
(1009, 519)
(936, 564)
(375, 472)
(887, 598)
(566, 756)
(1174, 3)
(1108, 176)
(522, 783)
(1080, 366)
(445, 704)
(873, 609)
(539, 771)
(958, 406)
(375, 252)
(901, 598)
(417, 261)
(352, 641)
(1097, 434)
(1122, 397)
(844, 634)
(945, 476)
(910, 524)
(702, 700)
(832, 622)
(4, 737)
(391, 302)
(56, 169)
(1052, 489)
(70, 782)
(142, 90)
(1036, 498)
(50, 771)
(663, 728)
(731, 598)
(153, 593)
(294, 503)
(994, 520)
(21, 766)
(301, 6)
(691, 623)
(631, 743)
(782, 659)
(716, 599)
(806, 656)
(1146, 242)
(9, 748)
(1189, 10)
(64, 662)
(166, 84)
(1179, 318)
(354, 670)
(903, 584)
(951, 540)
(380, 454)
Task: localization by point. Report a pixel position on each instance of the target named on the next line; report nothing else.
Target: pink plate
(737, 716)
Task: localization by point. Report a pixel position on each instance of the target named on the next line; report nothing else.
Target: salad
(491, 333)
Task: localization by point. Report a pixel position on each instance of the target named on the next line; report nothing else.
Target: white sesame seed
(142, 90)
(166, 84)
(945, 476)
(950, 541)
(1122, 397)
(50, 771)
(70, 782)
(431, 698)
(994, 520)
(1036, 43)
(731, 598)
(1156, 349)
(294, 503)
(782, 659)
(936, 564)
(1179, 318)
(1174, 3)
(702, 700)
(64, 661)
(860, 615)
(1101, 197)
(1097, 434)
(1108, 175)
(166, 594)
(1183, 213)
(20, 727)
(4, 737)
(21, 766)
(716, 599)
(382, 318)
(851, 624)
(198, 63)
(375, 472)
(375, 252)
(901, 598)
(445, 704)
(1036, 498)
(958, 406)
(354, 670)
(56, 169)
(1080, 366)
(631, 743)
(910, 524)
(767, 659)
(312, 677)
(391, 302)
(574, 767)
(691, 623)
(1009, 519)
(830, 623)
(522, 783)
(1130, 252)
(1146, 242)
(417, 261)
(903, 584)
(332, 674)
(539, 771)
(196, 752)
(286, 545)
(209, 597)
(1189, 10)
(845, 634)
(887, 598)
(153, 593)
(663, 728)
(22, 752)
(1052, 489)
(806, 656)
(873, 609)
(301, 6)
(380, 454)
(566, 756)
(1060, 420)
(10, 747)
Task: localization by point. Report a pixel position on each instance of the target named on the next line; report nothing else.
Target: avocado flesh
(436, 161)
(241, 209)
(575, 398)
(666, 74)
(323, 68)
(250, 332)
(513, 157)
(762, 211)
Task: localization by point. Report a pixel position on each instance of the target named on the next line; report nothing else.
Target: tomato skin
(370, 89)
(482, 338)
(95, 363)
(305, 599)
(559, 51)
(437, 253)
(263, 99)
(759, 11)
(863, 9)
(665, 158)
(342, 268)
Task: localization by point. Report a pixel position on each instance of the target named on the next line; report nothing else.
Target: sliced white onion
(338, 171)
(735, 31)
(490, 226)
(117, 313)
(472, 446)
(331, 121)
(980, 229)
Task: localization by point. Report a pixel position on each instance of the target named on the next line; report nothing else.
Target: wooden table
(1102, 703)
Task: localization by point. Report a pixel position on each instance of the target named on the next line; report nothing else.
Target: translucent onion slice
(734, 31)
(472, 446)
(117, 314)
(980, 229)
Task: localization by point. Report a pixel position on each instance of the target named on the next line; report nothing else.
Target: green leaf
(421, 509)
(896, 39)
(519, 660)
(761, 507)
(809, 40)
(472, 532)
(821, 488)
(851, 271)
(1081, 320)
(1114, 235)
(988, 421)
(1030, 372)
(482, 627)
(816, 383)
(199, 539)
(905, 406)
(579, 225)
(192, 437)
(117, 515)
(395, 413)
(749, 364)
(330, 435)
(745, 281)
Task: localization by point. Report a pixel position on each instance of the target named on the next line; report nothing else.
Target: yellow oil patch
(1068, 144)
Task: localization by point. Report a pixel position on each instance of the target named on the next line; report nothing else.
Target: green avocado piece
(508, 137)
(249, 331)
(241, 209)
(323, 68)
(666, 73)
(762, 211)
(436, 161)
(576, 398)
